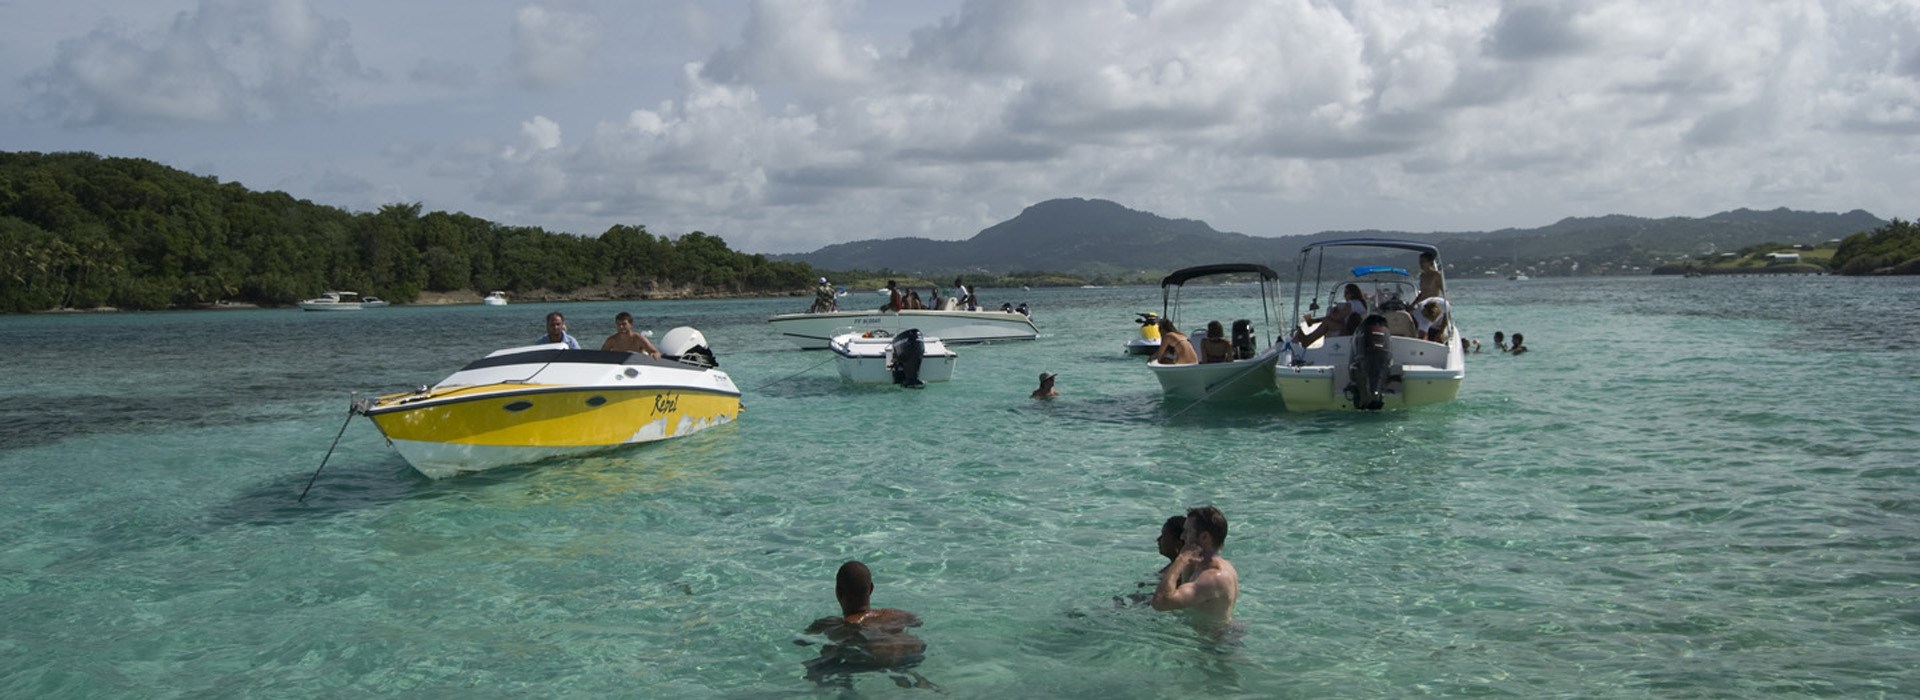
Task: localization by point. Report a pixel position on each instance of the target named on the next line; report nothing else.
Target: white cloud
(789, 125)
(553, 47)
(225, 61)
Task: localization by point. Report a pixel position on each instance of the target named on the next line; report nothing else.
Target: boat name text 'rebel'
(666, 403)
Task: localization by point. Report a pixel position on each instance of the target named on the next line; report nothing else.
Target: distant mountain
(1100, 238)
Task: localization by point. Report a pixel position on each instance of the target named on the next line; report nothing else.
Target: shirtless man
(625, 340)
(1432, 283)
(862, 638)
(1199, 580)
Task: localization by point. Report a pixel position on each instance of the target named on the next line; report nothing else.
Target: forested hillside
(1893, 249)
(78, 231)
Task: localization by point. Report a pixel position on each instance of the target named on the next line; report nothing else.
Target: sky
(783, 126)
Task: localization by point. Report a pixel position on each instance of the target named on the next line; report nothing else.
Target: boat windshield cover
(1365, 270)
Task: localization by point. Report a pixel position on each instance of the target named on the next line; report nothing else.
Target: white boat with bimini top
(1391, 349)
(495, 299)
(814, 331)
(526, 404)
(341, 301)
(878, 357)
(1247, 369)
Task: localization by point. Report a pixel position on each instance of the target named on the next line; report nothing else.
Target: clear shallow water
(1690, 487)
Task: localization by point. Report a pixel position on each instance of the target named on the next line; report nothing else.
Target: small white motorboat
(526, 404)
(1149, 341)
(495, 299)
(341, 301)
(813, 331)
(1249, 370)
(878, 357)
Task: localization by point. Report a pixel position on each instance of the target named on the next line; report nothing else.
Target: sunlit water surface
(1691, 487)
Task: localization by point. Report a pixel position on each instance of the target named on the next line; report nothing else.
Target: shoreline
(468, 297)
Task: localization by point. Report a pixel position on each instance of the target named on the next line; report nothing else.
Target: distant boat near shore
(341, 301)
(495, 299)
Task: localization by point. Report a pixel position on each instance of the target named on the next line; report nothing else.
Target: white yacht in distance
(341, 301)
(495, 299)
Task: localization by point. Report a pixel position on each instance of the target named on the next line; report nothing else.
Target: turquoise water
(1692, 487)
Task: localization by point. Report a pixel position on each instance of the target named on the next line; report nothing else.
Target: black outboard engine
(1243, 339)
(1372, 364)
(1022, 308)
(908, 350)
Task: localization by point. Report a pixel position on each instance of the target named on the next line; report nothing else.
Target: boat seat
(1400, 323)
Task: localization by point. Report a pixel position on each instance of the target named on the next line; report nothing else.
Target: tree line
(1893, 249)
(79, 231)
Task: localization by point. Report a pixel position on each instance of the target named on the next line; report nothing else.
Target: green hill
(81, 231)
(1102, 239)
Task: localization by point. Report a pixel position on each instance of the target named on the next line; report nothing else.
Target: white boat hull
(1217, 381)
(815, 331)
(870, 360)
(1428, 373)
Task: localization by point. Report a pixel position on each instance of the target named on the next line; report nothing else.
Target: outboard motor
(1372, 364)
(908, 350)
(688, 346)
(1244, 344)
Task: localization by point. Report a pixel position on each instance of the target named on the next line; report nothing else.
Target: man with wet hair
(1199, 580)
(862, 638)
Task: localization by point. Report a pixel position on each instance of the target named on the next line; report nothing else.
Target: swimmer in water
(862, 638)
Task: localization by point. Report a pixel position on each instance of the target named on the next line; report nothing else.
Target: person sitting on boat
(1216, 347)
(1343, 318)
(1519, 344)
(934, 302)
(1046, 390)
(1175, 349)
(557, 332)
(960, 296)
(894, 301)
(625, 340)
(913, 300)
(1432, 283)
(823, 298)
(861, 638)
(1432, 319)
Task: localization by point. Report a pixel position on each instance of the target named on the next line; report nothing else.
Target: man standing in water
(625, 340)
(862, 638)
(1200, 580)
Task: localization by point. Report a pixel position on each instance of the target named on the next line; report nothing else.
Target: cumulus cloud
(553, 46)
(225, 61)
(1446, 110)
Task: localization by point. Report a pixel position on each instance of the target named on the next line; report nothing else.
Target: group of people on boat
(863, 638)
(1176, 348)
(624, 339)
(1427, 317)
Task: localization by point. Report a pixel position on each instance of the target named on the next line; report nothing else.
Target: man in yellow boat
(625, 340)
(557, 332)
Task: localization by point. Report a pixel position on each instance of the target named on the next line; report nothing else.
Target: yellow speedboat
(526, 404)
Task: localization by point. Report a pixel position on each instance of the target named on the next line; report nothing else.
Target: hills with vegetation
(78, 230)
(1106, 242)
(81, 231)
